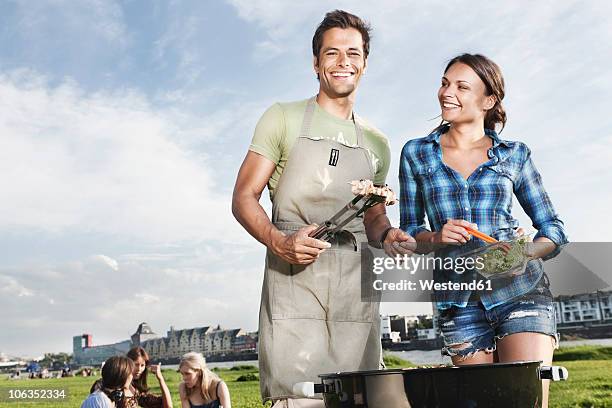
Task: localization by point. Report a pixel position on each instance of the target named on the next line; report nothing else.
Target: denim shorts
(481, 328)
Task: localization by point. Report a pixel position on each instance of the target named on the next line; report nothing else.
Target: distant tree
(55, 358)
(425, 322)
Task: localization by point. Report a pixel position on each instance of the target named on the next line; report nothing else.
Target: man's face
(341, 62)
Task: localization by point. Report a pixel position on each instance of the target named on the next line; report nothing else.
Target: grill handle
(554, 373)
(308, 389)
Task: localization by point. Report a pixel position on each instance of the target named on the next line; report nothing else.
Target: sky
(123, 125)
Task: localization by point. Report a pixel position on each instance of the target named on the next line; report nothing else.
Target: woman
(201, 388)
(116, 379)
(138, 392)
(464, 176)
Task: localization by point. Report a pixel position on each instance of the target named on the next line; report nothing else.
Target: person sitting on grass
(138, 393)
(201, 388)
(116, 379)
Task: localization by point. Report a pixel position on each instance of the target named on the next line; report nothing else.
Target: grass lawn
(589, 384)
(244, 394)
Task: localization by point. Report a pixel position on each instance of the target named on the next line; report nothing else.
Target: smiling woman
(138, 393)
(464, 176)
(463, 94)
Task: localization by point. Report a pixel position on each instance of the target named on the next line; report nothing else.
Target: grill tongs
(334, 226)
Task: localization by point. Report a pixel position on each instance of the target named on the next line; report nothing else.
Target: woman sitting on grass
(138, 393)
(201, 388)
(116, 379)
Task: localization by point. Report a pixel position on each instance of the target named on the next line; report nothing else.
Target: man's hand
(298, 248)
(397, 242)
(453, 232)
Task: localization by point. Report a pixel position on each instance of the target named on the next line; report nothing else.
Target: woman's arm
(166, 397)
(412, 207)
(184, 397)
(534, 199)
(224, 396)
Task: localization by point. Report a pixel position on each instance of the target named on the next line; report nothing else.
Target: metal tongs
(357, 206)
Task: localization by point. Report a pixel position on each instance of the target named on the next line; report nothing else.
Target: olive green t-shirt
(279, 128)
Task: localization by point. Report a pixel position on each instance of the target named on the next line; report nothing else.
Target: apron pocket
(299, 291)
(346, 288)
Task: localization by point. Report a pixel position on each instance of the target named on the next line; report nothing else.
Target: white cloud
(10, 287)
(104, 162)
(107, 260)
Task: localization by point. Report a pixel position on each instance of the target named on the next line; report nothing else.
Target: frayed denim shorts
(467, 330)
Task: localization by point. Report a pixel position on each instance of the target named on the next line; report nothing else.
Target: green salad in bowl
(497, 260)
(503, 259)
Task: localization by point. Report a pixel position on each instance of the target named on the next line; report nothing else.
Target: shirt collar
(436, 134)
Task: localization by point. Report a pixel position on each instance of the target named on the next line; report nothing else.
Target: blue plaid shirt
(428, 186)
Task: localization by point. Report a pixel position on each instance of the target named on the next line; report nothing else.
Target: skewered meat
(367, 187)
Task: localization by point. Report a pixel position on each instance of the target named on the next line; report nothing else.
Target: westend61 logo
(396, 270)
(413, 263)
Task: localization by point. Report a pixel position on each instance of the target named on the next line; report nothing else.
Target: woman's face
(190, 376)
(462, 95)
(139, 366)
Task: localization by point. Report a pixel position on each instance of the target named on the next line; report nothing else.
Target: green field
(589, 385)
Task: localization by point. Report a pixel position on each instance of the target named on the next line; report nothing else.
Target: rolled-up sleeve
(412, 210)
(534, 199)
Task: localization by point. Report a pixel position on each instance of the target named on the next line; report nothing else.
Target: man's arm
(253, 176)
(377, 224)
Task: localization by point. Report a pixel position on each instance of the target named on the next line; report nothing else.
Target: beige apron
(312, 319)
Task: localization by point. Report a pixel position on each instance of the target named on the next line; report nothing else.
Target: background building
(143, 333)
(85, 353)
(586, 309)
(210, 341)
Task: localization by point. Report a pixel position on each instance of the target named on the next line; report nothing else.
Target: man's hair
(344, 20)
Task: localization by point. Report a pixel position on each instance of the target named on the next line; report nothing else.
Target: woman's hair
(490, 73)
(196, 362)
(140, 383)
(116, 372)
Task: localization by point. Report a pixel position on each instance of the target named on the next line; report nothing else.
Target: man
(312, 319)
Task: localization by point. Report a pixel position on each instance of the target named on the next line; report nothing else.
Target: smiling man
(312, 319)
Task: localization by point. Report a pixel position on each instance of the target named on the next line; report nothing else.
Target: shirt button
(480, 169)
(467, 208)
(466, 184)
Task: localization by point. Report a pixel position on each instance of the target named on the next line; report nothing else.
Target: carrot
(481, 235)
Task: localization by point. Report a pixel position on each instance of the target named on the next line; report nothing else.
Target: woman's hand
(166, 397)
(453, 232)
(156, 369)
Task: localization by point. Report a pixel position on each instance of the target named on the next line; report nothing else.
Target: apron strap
(308, 114)
(307, 122)
(358, 132)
